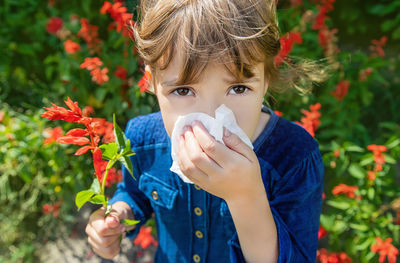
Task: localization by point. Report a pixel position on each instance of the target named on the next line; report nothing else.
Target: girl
(246, 205)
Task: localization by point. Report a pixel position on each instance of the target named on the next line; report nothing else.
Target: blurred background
(52, 50)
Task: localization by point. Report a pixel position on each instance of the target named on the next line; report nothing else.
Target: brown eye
(182, 91)
(239, 89)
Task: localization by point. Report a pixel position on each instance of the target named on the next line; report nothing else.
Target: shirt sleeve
(129, 192)
(295, 204)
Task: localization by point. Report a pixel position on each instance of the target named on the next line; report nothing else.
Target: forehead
(176, 68)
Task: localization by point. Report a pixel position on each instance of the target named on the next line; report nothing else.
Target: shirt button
(197, 187)
(198, 211)
(154, 194)
(196, 258)
(199, 234)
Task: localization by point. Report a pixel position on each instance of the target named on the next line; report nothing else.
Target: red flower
(326, 257)
(144, 82)
(71, 47)
(310, 122)
(345, 189)
(341, 90)
(322, 232)
(385, 249)
(52, 209)
(91, 63)
(99, 75)
(144, 238)
(119, 14)
(379, 156)
(95, 128)
(287, 42)
(60, 113)
(87, 110)
(54, 24)
(52, 134)
(377, 47)
(121, 73)
(90, 34)
(280, 114)
(365, 73)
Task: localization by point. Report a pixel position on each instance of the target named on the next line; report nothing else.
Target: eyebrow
(229, 81)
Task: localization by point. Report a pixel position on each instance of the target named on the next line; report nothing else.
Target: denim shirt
(195, 226)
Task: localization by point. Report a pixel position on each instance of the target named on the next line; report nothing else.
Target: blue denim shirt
(195, 226)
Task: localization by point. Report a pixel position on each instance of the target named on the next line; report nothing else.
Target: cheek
(248, 121)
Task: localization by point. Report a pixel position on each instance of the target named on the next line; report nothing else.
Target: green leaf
(359, 227)
(371, 193)
(82, 197)
(119, 135)
(390, 159)
(356, 171)
(369, 159)
(95, 187)
(128, 164)
(109, 150)
(393, 142)
(342, 205)
(98, 199)
(129, 222)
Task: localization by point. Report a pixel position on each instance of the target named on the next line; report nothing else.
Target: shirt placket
(198, 207)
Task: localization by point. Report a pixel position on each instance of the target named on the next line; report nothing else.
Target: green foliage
(31, 175)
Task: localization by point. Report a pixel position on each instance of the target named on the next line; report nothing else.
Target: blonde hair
(237, 33)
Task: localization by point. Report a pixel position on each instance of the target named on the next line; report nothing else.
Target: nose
(209, 105)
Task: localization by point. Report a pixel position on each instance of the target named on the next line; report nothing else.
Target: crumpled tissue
(223, 117)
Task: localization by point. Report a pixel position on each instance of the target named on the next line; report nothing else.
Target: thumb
(112, 220)
(234, 142)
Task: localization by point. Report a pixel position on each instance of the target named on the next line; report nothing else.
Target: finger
(101, 241)
(98, 222)
(220, 153)
(234, 142)
(199, 158)
(106, 252)
(187, 167)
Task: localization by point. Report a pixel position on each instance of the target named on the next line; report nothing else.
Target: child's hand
(229, 171)
(104, 232)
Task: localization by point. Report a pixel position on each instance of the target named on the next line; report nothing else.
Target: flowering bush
(82, 49)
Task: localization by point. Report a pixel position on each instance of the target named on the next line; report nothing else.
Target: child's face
(212, 90)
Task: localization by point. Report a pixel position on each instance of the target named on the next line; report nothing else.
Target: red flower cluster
(377, 47)
(52, 209)
(52, 134)
(94, 130)
(324, 256)
(144, 83)
(90, 34)
(379, 156)
(364, 73)
(341, 90)
(287, 42)
(120, 15)
(71, 47)
(385, 249)
(54, 24)
(311, 121)
(144, 238)
(325, 35)
(345, 189)
(93, 65)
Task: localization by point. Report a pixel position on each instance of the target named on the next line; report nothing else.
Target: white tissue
(223, 117)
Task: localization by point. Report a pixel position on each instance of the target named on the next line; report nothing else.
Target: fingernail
(227, 133)
(186, 128)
